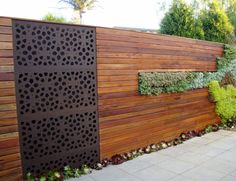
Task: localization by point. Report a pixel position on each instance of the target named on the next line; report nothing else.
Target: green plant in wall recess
(155, 83)
(225, 99)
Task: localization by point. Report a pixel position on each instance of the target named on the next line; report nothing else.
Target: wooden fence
(127, 120)
(10, 163)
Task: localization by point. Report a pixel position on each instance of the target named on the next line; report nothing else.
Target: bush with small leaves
(225, 99)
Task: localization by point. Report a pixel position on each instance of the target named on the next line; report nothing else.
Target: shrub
(225, 99)
(231, 12)
(216, 24)
(180, 21)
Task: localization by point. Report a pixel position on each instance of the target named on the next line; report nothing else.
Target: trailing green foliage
(155, 83)
(225, 99)
(180, 21)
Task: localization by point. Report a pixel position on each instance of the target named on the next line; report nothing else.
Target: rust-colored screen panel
(55, 73)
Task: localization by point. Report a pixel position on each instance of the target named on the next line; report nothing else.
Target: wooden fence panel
(10, 163)
(128, 120)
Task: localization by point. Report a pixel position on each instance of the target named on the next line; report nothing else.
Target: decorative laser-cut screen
(55, 71)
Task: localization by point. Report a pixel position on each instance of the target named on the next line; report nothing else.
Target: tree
(80, 6)
(231, 12)
(180, 21)
(216, 24)
(52, 18)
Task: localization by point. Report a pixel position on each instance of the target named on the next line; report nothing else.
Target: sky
(107, 13)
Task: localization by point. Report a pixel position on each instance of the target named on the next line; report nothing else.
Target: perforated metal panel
(55, 71)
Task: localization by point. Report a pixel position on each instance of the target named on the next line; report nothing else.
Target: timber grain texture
(128, 120)
(10, 163)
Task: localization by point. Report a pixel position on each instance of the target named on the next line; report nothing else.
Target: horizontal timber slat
(7, 92)
(7, 84)
(9, 174)
(9, 151)
(6, 76)
(6, 45)
(5, 30)
(5, 21)
(148, 65)
(117, 78)
(6, 61)
(8, 114)
(5, 38)
(7, 100)
(6, 53)
(8, 68)
(7, 107)
(154, 51)
(8, 122)
(14, 177)
(9, 143)
(8, 129)
(159, 58)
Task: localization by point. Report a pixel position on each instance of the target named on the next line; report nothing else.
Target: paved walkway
(211, 157)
